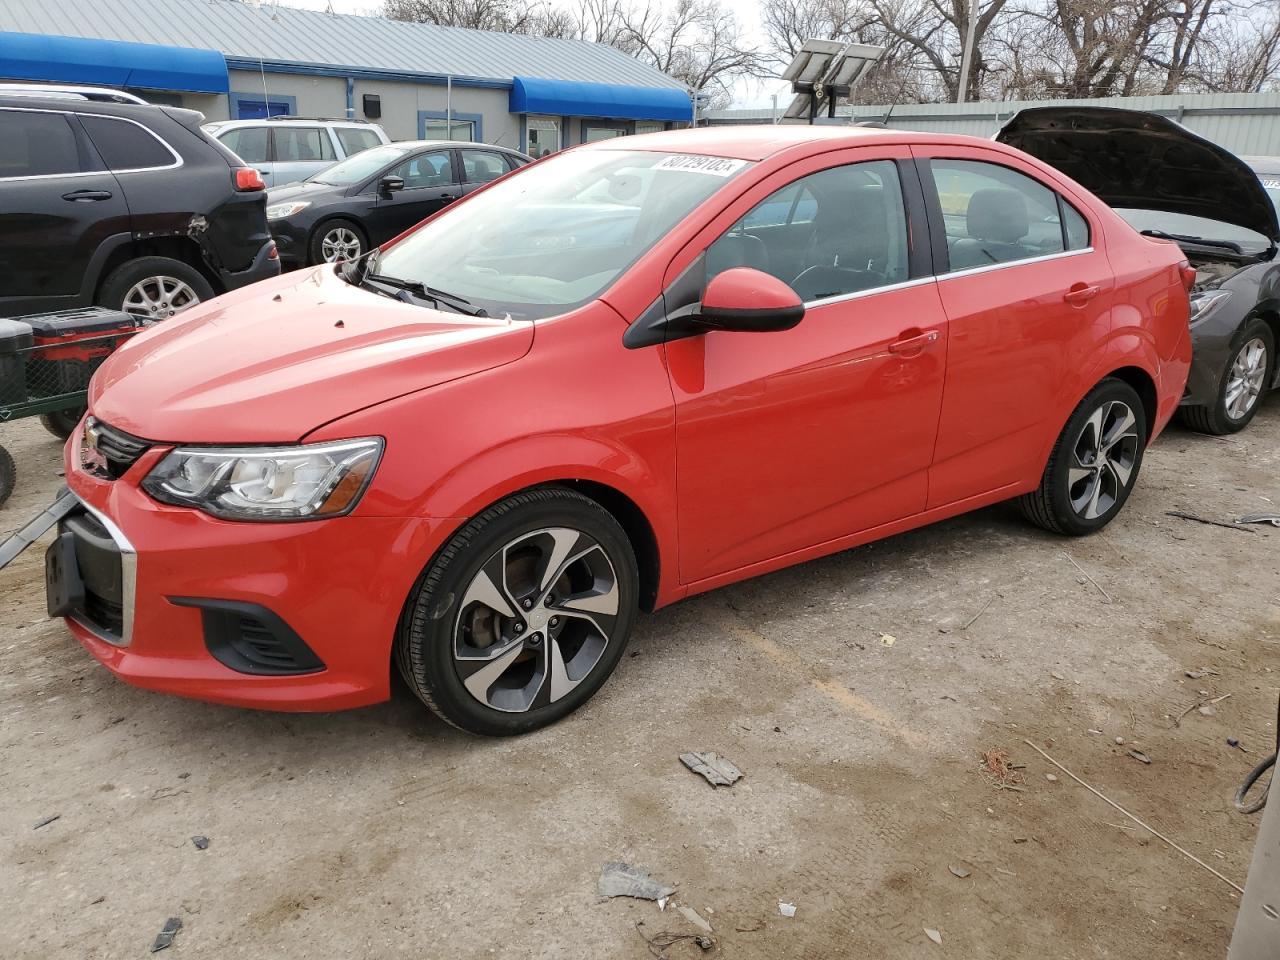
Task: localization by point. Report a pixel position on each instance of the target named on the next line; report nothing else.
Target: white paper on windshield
(1271, 184)
(691, 163)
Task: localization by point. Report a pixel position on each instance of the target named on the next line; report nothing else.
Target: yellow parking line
(839, 694)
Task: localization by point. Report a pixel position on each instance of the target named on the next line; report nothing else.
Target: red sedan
(629, 373)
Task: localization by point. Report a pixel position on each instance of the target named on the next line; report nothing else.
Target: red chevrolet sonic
(626, 374)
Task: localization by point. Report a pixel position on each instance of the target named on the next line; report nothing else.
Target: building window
(439, 125)
(650, 126)
(254, 106)
(543, 136)
(593, 130)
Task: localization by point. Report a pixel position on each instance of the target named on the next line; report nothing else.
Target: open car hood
(1138, 160)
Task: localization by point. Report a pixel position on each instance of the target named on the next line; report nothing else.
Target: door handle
(911, 345)
(87, 196)
(1080, 294)
(447, 196)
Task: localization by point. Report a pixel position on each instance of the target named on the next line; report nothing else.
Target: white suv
(288, 149)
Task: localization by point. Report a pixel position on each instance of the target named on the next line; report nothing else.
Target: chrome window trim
(177, 158)
(128, 579)
(937, 278)
(987, 268)
(870, 291)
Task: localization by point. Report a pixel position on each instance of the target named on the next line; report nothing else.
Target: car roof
(759, 141)
(136, 111)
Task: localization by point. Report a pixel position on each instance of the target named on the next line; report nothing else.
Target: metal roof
(1245, 123)
(286, 35)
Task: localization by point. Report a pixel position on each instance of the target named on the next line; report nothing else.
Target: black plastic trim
(223, 622)
(935, 220)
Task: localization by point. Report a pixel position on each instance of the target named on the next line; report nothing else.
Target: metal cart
(49, 376)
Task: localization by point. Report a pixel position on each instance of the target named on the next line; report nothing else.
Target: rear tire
(522, 616)
(8, 475)
(153, 289)
(1094, 464)
(62, 423)
(1245, 381)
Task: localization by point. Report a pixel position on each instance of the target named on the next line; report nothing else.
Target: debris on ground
(1139, 755)
(1085, 574)
(696, 919)
(1201, 674)
(1197, 705)
(1213, 523)
(752, 927)
(960, 870)
(933, 935)
(1052, 778)
(165, 937)
(1271, 518)
(718, 771)
(660, 943)
(619, 879)
(974, 618)
(1232, 742)
(202, 843)
(47, 820)
(1000, 770)
(888, 639)
(1207, 711)
(786, 909)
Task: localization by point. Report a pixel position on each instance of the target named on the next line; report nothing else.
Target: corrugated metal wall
(1244, 123)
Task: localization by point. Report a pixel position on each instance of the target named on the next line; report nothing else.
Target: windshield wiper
(1200, 241)
(420, 291)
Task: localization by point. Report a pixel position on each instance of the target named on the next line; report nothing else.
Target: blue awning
(573, 98)
(30, 56)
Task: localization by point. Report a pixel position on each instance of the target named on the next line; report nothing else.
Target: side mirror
(749, 301)
(391, 184)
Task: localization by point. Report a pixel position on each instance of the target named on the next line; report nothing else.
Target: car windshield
(1184, 225)
(557, 234)
(360, 167)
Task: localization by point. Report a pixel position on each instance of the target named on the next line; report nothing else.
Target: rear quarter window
(355, 139)
(124, 145)
(247, 143)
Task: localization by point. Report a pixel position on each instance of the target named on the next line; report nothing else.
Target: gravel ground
(383, 833)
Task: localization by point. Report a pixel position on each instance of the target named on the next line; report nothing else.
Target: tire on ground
(62, 423)
(315, 255)
(123, 278)
(1214, 419)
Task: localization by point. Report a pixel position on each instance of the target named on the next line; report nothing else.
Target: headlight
(278, 211)
(299, 482)
(1206, 302)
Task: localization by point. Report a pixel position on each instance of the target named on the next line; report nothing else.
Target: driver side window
(829, 234)
(428, 170)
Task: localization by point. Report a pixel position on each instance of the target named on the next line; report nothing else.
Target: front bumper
(337, 585)
(265, 265)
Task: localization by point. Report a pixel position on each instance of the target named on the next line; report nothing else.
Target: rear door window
(247, 143)
(355, 139)
(301, 144)
(37, 144)
(993, 214)
(481, 166)
(124, 145)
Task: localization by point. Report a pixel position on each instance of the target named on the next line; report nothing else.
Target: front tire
(1094, 465)
(337, 241)
(523, 615)
(8, 475)
(1248, 375)
(62, 423)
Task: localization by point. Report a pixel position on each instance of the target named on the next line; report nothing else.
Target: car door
(299, 151)
(480, 167)
(429, 186)
(58, 208)
(1027, 298)
(791, 439)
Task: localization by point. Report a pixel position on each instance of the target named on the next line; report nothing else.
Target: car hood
(1138, 160)
(304, 190)
(273, 361)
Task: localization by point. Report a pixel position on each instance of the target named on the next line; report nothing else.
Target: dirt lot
(384, 833)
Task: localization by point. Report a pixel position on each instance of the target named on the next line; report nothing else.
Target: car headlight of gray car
(1206, 302)
(278, 211)
(305, 481)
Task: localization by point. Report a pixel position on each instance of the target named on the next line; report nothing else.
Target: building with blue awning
(233, 60)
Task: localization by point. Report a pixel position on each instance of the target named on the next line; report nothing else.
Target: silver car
(289, 149)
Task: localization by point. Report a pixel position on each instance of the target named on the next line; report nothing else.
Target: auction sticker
(1270, 184)
(691, 163)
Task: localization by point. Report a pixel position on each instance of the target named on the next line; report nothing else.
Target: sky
(746, 93)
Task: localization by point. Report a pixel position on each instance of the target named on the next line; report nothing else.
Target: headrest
(999, 215)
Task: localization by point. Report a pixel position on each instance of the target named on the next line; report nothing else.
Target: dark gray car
(1168, 182)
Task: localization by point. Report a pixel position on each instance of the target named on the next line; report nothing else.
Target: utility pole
(966, 56)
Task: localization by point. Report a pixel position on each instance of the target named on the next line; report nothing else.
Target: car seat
(996, 220)
(849, 248)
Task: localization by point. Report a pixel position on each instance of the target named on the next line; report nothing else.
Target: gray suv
(289, 149)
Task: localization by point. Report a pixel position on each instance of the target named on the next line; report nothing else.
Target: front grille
(120, 450)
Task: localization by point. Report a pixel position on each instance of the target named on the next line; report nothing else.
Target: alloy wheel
(1103, 459)
(159, 298)
(535, 620)
(339, 244)
(1245, 379)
